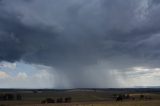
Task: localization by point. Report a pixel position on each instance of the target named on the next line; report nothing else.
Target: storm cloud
(85, 41)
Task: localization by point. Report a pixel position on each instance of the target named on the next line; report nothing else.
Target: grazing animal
(141, 97)
(133, 98)
(50, 100)
(59, 100)
(119, 98)
(43, 101)
(68, 100)
(19, 97)
(7, 97)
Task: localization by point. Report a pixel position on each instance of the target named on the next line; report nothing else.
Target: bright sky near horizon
(22, 75)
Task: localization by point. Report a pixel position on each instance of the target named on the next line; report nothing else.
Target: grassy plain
(84, 98)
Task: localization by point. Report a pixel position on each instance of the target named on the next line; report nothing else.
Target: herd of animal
(10, 97)
(116, 97)
(58, 100)
(121, 97)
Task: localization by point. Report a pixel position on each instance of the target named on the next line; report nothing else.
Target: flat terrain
(125, 103)
(84, 97)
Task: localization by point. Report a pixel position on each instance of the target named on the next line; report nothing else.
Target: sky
(79, 43)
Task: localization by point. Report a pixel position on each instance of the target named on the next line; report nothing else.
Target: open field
(125, 103)
(84, 98)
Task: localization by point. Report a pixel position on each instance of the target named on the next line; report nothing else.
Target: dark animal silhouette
(68, 100)
(141, 97)
(148, 98)
(19, 97)
(133, 98)
(7, 97)
(43, 101)
(127, 96)
(119, 98)
(50, 100)
(59, 100)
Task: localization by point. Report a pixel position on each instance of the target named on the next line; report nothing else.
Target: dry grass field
(125, 103)
(85, 98)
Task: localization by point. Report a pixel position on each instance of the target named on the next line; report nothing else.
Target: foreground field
(125, 103)
(84, 98)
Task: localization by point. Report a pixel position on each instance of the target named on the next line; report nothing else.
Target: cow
(141, 97)
(48, 100)
(119, 98)
(59, 100)
(43, 101)
(19, 97)
(68, 100)
(8, 96)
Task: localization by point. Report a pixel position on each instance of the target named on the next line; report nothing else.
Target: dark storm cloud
(74, 35)
(18, 39)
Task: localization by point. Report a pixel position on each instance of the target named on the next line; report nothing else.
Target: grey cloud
(73, 35)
